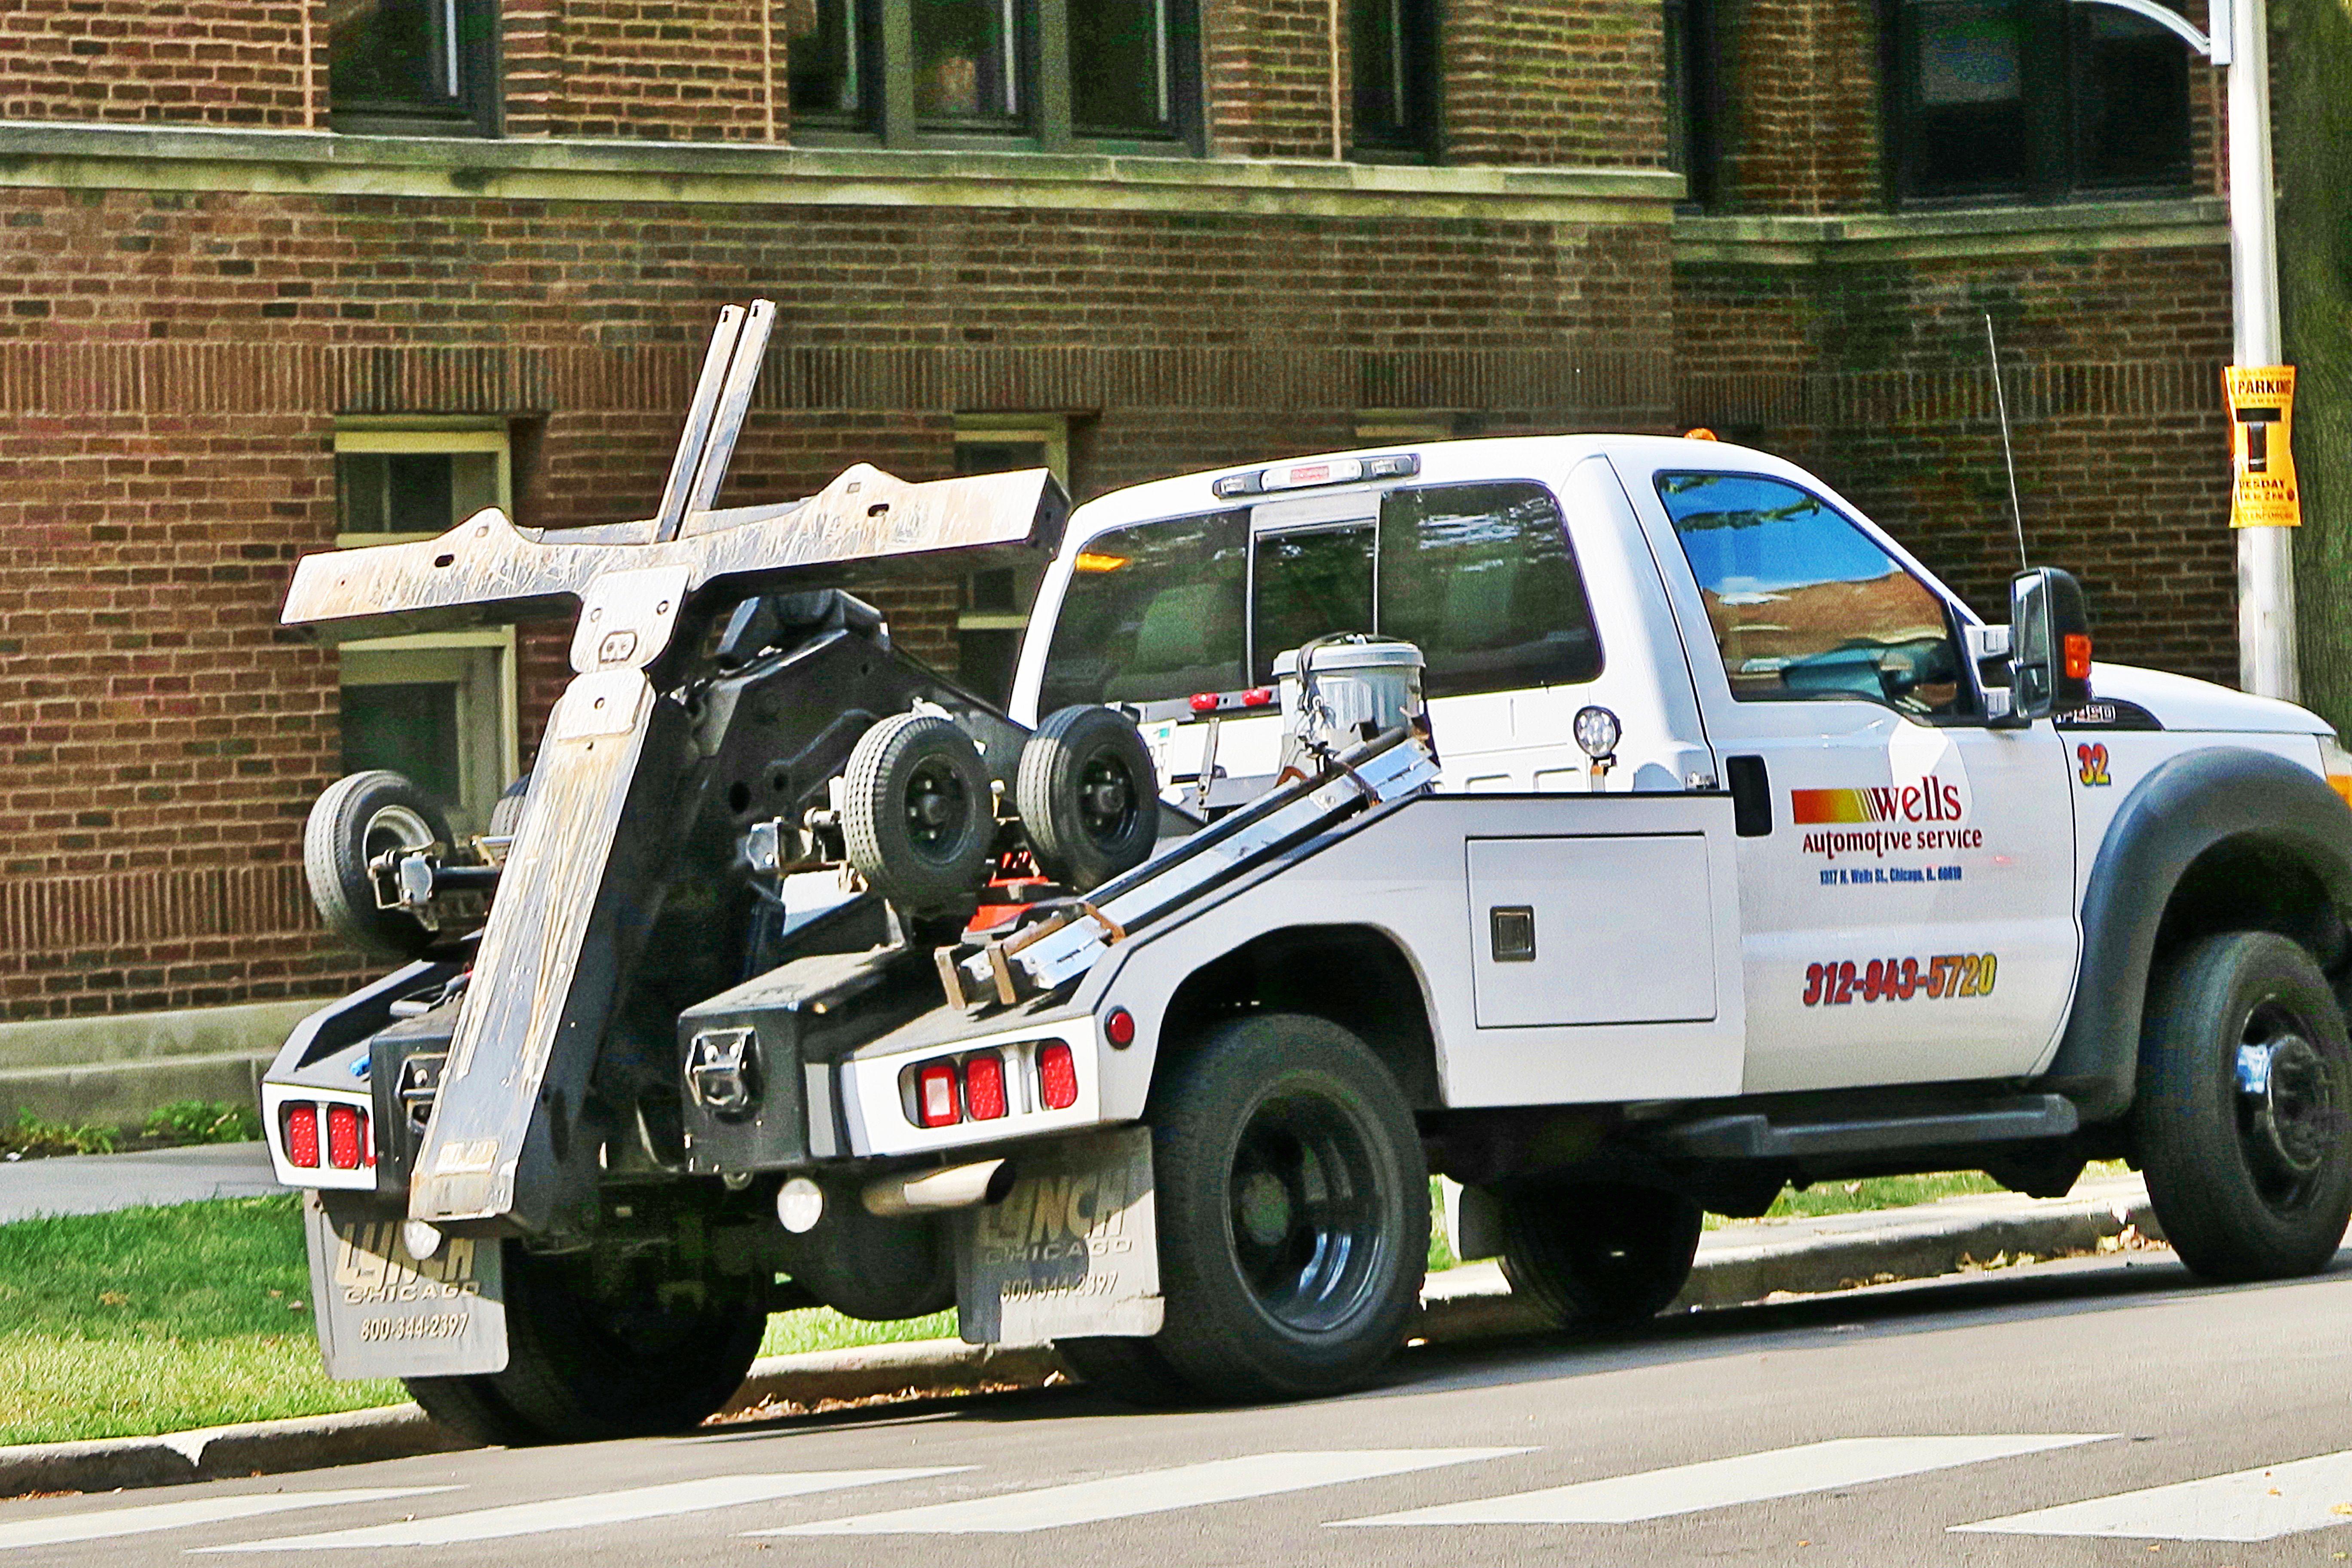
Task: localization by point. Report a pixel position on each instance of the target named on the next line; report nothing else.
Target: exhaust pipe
(931, 1191)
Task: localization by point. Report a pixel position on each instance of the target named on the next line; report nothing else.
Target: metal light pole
(2266, 661)
(2240, 44)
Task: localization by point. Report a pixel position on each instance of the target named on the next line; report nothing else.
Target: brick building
(283, 273)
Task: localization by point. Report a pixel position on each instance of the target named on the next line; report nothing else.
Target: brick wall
(189, 62)
(1875, 375)
(1574, 82)
(1800, 128)
(664, 70)
(1266, 72)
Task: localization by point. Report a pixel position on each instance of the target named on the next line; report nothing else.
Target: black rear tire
(1292, 1200)
(2242, 1121)
(1599, 1253)
(358, 818)
(1088, 796)
(917, 817)
(585, 1365)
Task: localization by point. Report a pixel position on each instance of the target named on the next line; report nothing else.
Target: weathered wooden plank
(865, 524)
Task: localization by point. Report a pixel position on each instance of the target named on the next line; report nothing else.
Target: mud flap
(1072, 1251)
(382, 1313)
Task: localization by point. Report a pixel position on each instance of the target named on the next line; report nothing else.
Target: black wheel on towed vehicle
(1598, 1254)
(598, 1354)
(2243, 1120)
(1292, 1202)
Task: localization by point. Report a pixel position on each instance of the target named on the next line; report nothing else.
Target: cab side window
(1803, 604)
(1481, 577)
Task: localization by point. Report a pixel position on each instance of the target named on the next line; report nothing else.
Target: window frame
(2050, 105)
(886, 47)
(414, 659)
(480, 107)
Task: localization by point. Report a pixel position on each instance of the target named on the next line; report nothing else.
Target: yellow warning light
(1698, 433)
(1090, 560)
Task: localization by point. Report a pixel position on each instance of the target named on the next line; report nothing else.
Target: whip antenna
(2009, 458)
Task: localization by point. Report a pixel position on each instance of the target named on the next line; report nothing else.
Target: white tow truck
(1665, 834)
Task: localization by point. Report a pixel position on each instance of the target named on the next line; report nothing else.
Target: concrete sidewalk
(99, 1183)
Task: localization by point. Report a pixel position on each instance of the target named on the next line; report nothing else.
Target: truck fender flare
(2184, 807)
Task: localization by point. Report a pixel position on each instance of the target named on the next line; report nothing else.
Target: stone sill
(1775, 241)
(122, 157)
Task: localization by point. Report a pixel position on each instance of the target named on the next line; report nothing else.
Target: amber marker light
(1094, 561)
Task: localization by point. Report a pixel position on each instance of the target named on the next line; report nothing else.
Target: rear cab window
(1479, 575)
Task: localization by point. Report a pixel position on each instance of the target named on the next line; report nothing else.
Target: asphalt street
(2102, 1411)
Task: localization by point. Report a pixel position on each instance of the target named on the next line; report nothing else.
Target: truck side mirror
(2049, 645)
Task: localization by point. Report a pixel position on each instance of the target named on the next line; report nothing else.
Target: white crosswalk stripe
(1721, 1483)
(2246, 1505)
(143, 1518)
(1152, 1492)
(584, 1512)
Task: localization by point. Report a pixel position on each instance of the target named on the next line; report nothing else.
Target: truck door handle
(1751, 796)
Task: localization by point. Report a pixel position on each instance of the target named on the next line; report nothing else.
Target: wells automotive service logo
(1908, 811)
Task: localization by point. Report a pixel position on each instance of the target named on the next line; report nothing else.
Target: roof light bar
(1321, 471)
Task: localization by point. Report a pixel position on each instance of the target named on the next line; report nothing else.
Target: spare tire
(358, 818)
(1088, 796)
(916, 817)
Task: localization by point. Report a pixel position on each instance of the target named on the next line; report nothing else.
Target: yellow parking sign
(2261, 454)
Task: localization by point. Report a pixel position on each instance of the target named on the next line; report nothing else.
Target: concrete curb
(1468, 1303)
(219, 1453)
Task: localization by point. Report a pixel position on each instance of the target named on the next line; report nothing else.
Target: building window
(968, 60)
(415, 67)
(996, 603)
(1122, 75)
(1393, 60)
(1051, 72)
(2037, 98)
(1690, 47)
(439, 708)
(826, 60)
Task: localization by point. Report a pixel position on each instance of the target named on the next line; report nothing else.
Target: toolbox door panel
(1558, 940)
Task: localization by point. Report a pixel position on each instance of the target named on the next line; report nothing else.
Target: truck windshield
(1479, 575)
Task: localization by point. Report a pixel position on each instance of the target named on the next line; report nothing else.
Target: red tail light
(302, 1137)
(1057, 1075)
(983, 1087)
(2078, 656)
(935, 1095)
(346, 1137)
